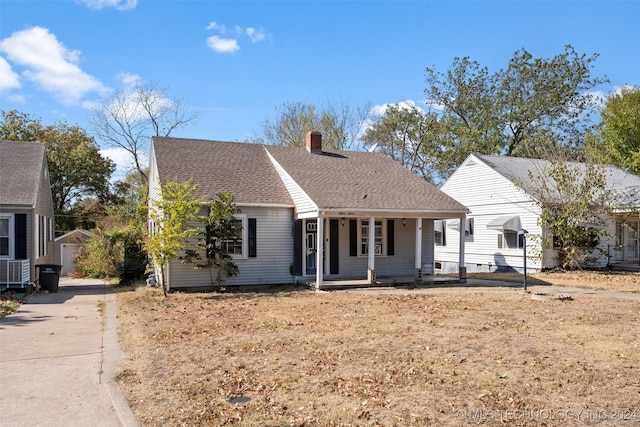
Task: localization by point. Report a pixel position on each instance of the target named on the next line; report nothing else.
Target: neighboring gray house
(499, 192)
(67, 247)
(26, 212)
(295, 200)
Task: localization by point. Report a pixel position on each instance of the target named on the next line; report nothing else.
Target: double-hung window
(379, 238)
(237, 247)
(6, 236)
(510, 240)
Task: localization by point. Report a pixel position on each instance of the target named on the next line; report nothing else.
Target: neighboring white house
(498, 191)
(306, 212)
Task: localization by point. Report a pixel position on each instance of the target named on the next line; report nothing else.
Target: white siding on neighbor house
(488, 195)
(274, 250)
(304, 204)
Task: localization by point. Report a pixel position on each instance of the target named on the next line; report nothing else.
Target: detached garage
(67, 246)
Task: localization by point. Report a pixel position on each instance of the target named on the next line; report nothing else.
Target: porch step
(390, 282)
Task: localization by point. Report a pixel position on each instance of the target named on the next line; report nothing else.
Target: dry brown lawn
(448, 356)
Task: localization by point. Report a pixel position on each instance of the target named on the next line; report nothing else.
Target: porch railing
(15, 272)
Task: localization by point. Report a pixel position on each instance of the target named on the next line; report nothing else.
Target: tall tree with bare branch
(129, 119)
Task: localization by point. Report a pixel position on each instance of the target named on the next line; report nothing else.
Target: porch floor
(329, 285)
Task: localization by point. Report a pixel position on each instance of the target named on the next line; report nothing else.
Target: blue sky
(234, 62)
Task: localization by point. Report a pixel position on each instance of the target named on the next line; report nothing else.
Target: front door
(311, 239)
(630, 240)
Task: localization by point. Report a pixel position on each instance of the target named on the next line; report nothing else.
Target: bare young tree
(129, 119)
(339, 122)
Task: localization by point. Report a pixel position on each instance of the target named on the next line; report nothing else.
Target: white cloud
(215, 26)
(232, 44)
(221, 45)
(8, 78)
(123, 160)
(255, 35)
(129, 80)
(49, 64)
(101, 4)
(407, 104)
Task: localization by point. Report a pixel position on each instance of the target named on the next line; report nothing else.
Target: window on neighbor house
(510, 240)
(468, 229)
(440, 232)
(379, 243)
(43, 234)
(5, 236)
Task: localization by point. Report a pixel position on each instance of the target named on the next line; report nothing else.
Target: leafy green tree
(129, 119)
(172, 218)
(619, 130)
(532, 107)
(409, 136)
(575, 204)
(76, 167)
(222, 232)
(339, 122)
(101, 255)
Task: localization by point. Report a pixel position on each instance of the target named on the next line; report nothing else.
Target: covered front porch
(343, 249)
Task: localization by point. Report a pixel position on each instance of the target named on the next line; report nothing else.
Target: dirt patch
(300, 358)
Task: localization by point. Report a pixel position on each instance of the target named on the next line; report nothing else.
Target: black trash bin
(49, 276)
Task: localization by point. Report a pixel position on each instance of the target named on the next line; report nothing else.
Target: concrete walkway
(58, 355)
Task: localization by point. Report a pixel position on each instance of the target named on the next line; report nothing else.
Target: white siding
(274, 240)
(302, 201)
(400, 264)
(154, 179)
(489, 195)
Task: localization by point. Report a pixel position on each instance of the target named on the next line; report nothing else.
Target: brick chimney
(314, 142)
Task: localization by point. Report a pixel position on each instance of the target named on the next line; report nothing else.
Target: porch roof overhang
(505, 223)
(381, 213)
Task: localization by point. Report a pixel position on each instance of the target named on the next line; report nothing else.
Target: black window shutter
(390, 236)
(253, 251)
(208, 243)
(353, 237)
(21, 236)
(297, 248)
(333, 249)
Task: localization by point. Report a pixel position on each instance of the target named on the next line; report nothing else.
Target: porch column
(418, 251)
(371, 273)
(462, 270)
(319, 251)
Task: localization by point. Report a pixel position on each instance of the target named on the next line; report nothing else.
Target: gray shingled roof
(361, 180)
(516, 169)
(217, 166)
(333, 180)
(20, 167)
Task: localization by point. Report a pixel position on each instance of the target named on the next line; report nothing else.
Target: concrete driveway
(58, 355)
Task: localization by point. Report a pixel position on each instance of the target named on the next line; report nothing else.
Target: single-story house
(309, 214)
(500, 194)
(26, 212)
(67, 247)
